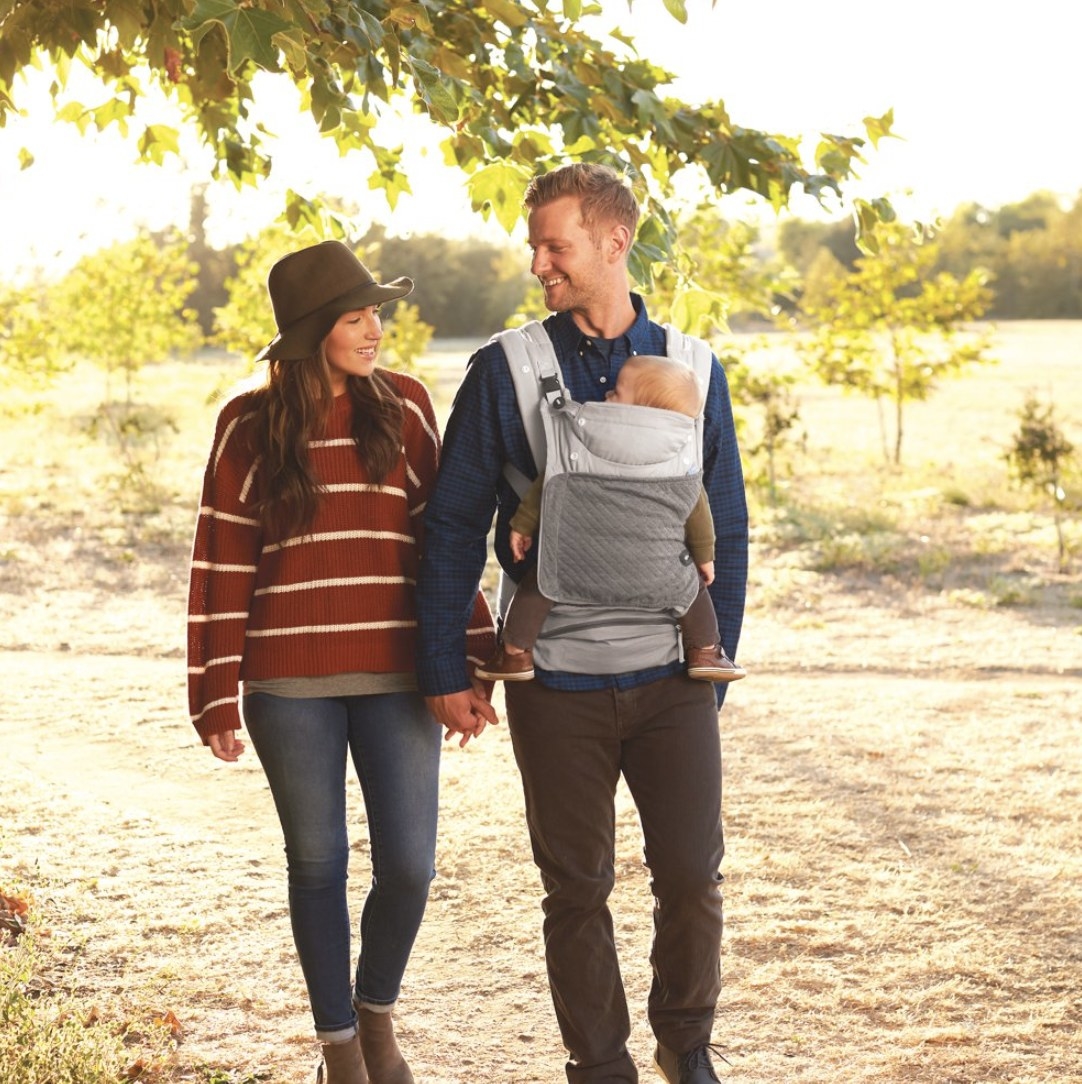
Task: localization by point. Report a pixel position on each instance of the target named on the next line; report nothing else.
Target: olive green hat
(309, 289)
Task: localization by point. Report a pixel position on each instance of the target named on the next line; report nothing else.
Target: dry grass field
(903, 778)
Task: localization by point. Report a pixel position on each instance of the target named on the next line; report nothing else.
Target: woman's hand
(226, 746)
(464, 713)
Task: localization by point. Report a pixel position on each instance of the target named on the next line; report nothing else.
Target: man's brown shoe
(506, 667)
(712, 664)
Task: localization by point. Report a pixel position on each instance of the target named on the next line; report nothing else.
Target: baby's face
(624, 392)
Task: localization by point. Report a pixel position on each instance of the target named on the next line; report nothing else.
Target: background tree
(515, 87)
(118, 308)
(801, 243)
(770, 392)
(29, 336)
(721, 274)
(127, 304)
(891, 330)
(1038, 458)
(465, 287)
(405, 338)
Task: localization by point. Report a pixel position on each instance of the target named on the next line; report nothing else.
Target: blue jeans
(395, 746)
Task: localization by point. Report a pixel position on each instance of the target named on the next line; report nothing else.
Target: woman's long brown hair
(292, 409)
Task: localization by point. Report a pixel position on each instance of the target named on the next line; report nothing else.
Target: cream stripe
(227, 517)
(338, 536)
(224, 661)
(362, 487)
(335, 442)
(249, 479)
(213, 566)
(219, 451)
(307, 630)
(344, 581)
(424, 421)
(212, 705)
(205, 619)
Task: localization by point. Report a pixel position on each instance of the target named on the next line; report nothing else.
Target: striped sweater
(337, 599)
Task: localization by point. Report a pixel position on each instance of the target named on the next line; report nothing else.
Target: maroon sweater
(337, 599)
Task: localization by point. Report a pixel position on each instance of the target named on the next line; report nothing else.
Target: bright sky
(984, 95)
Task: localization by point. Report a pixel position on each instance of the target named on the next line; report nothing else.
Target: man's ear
(618, 242)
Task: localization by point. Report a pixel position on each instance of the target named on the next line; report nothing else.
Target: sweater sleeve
(225, 554)
(699, 531)
(421, 446)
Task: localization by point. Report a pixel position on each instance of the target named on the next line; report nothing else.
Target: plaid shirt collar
(643, 337)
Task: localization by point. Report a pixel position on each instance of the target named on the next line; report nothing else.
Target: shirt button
(604, 380)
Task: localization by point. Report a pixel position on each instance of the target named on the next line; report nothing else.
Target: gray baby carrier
(620, 483)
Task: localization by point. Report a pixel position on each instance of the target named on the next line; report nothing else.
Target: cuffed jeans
(571, 748)
(395, 745)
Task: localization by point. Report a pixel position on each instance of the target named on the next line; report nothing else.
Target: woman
(303, 572)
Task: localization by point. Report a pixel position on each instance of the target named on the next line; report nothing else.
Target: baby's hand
(520, 543)
(706, 572)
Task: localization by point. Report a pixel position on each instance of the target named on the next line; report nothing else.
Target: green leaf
(498, 189)
(677, 9)
(248, 31)
(389, 176)
(880, 127)
(509, 13)
(699, 312)
(157, 141)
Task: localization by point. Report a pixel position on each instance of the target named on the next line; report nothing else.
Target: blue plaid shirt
(485, 431)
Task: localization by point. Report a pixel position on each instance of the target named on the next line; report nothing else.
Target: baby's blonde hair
(666, 384)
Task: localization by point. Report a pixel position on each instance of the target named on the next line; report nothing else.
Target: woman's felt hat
(309, 289)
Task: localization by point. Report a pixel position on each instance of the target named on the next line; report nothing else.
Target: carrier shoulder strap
(696, 353)
(690, 350)
(535, 371)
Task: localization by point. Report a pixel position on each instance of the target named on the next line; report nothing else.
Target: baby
(647, 381)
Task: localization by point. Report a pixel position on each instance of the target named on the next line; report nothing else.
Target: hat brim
(302, 338)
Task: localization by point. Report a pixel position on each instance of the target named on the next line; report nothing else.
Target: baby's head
(646, 380)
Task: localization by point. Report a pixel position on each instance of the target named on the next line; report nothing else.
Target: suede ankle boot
(342, 1063)
(381, 1054)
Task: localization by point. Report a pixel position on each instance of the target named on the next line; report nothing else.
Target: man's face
(566, 260)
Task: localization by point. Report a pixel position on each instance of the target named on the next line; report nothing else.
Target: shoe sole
(702, 673)
(487, 675)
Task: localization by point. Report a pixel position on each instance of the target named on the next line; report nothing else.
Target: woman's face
(352, 345)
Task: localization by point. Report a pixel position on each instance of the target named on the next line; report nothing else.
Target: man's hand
(466, 713)
(227, 745)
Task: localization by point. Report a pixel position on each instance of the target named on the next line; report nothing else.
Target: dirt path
(903, 875)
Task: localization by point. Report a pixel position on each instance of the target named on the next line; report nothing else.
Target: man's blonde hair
(603, 194)
(663, 383)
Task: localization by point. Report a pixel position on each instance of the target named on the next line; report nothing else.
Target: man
(574, 734)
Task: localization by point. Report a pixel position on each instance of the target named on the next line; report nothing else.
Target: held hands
(520, 544)
(466, 713)
(706, 572)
